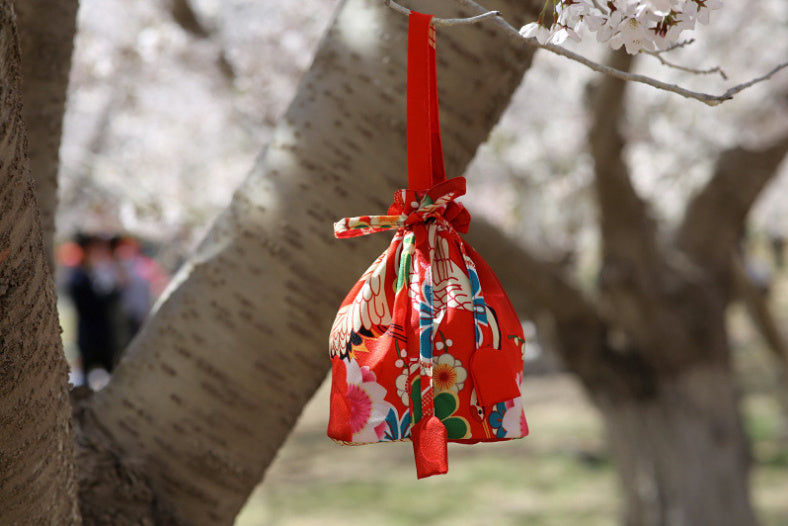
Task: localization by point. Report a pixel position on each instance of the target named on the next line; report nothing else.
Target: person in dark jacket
(94, 290)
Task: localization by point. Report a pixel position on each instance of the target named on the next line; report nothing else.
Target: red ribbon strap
(425, 153)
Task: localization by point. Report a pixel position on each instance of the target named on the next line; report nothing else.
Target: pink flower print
(366, 399)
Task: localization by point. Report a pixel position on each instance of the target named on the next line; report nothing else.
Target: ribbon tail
(365, 225)
(429, 435)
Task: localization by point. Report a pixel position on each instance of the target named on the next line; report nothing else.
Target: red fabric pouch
(426, 346)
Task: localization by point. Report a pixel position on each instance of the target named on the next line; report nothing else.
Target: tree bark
(37, 478)
(46, 34)
(682, 454)
(628, 231)
(212, 386)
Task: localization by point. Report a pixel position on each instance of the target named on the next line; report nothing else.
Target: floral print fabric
(426, 327)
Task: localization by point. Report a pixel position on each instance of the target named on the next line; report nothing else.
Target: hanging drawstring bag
(426, 345)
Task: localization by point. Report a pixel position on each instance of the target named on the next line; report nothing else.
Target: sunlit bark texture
(210, 389)
(46, 34)
(37, 482)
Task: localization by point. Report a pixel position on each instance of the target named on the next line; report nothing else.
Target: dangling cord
(429, 319)
(429, 435)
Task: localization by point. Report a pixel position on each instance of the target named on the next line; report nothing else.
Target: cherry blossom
(638, 25)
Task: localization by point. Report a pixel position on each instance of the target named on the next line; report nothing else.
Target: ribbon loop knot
(411, 208)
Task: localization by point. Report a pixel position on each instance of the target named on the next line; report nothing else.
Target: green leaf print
(403, 273)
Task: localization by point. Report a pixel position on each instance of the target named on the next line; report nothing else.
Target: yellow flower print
(448, 374)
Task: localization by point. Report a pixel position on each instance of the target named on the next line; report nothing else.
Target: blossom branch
(706, 98)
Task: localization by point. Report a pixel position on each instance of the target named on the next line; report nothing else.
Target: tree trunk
(662, 374)
(46, 34)
(681, 454)
(212, 386)
(37, 482)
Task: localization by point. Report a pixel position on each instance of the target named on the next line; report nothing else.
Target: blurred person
(94, 287)
(135, 294)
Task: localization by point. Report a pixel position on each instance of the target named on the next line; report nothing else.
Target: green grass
(559, 476)
(314, 481)
(481, 490)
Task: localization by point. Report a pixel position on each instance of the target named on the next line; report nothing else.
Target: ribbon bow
(411, 207)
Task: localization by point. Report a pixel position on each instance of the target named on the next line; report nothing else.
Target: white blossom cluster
(638, 25)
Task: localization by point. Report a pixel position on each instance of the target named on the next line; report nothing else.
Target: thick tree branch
(46, 38)
(628, 232)
(714, 218)
(532, 284)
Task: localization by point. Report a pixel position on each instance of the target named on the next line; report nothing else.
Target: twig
(446, 21)
(736, 89)
(514, 34)
(716, 69)
(396, 7)
(677, 45)
(658, 55)
(460, 21)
